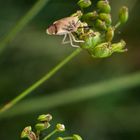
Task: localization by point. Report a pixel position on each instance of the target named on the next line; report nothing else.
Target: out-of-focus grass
(75, 95)
(23, 22)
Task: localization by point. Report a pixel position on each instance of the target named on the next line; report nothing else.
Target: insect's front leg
(64, 40)
(71, 41)
(80, 41)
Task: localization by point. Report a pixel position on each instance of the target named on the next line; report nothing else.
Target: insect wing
(66, 25)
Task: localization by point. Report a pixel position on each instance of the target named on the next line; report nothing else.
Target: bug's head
(51, 30)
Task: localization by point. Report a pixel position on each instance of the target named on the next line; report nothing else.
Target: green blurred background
(112, 116)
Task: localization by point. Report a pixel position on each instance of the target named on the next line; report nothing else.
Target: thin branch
(41, 81)
(49, 135)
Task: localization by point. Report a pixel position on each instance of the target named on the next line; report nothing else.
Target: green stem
(49, 135)
(41, 81)
(23, 22)
(38, 135)
(117, 25)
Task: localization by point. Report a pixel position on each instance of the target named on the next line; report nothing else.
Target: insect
(66, 26)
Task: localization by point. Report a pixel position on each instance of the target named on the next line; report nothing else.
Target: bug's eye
(51, 30)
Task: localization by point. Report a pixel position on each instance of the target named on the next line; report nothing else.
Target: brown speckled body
(64, 26)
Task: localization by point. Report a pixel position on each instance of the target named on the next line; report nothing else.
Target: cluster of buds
(43, 124)
(97, 30)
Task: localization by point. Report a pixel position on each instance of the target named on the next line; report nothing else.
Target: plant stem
(49, 135)
(23, 22)
(37, 135)
(117, 25)
(41, 81)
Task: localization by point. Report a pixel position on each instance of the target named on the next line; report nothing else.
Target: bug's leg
(63, 41)
(71, 41)
(80, 41)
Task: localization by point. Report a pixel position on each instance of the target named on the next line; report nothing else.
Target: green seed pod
(84, 3)
(101, 51)
(59, 138)
(60, 127)
(105, 17)
(44, 117)
(78, 13)
(42, 126)
(104, 6)
(119, 47)
(76, 137)
(123, 15)
(28, 133)
(91, 41)
(90, 17)
(109, 34)
(101, 25)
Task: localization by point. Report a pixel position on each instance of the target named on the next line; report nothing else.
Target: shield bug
(66, 26)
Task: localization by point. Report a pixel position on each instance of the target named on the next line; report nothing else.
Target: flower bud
(28, 133)
(119, 47)
(123, 15)
(42, 126)
(90, 17)
(104, 6)
(78, 13)
(91, 41)
(76, 137)
(101, 51)
(44, 117)
(101, 25)
(84, 3)
(59, 138)
(60, 127)
(105, 17)
(109, 34)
